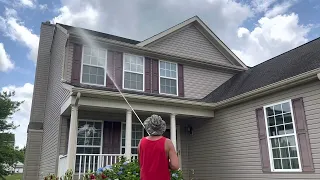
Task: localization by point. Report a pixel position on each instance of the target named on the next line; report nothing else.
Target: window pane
(86, 59)
(162, 65)
(173, 90)
(173, 67)
(80, 141)
(283, 142)
(87, 50)
(102, 53)
(173, 74)
(277, 164)
(123, 142)
(85, 78)
(133, 67)
(126, 84)
(289, 128)
(277, 109)
(100, 80)
(94, 61)
(291, 141)
(140, 69)
(139, 85)
(168, 73)
(123, 150)
(93, 79)
(280, 130)
(127, 66)
(287, 118)
(270, 111)
(271, 121)
(295, 163)
(80, 150)
(134, 151)
(162, 72)
(293, 152)
(96, 150)
(88, 141)
(94, 52)
(101, 62)
(284, 152)
(286, 107)
(96, 141)
(162, 89)
(100, 71)
(276, 153)
(274, 142)
(286, 164)
(272, 131)
(279, 120)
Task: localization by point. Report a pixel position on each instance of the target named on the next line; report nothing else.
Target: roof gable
(192, 29)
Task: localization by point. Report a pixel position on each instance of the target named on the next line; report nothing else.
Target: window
(89, 141)
(137, 134)
(282, 140)
(133, 72)
(94, 66)
(168, 78)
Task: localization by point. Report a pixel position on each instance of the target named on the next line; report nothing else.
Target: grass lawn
(14, 177)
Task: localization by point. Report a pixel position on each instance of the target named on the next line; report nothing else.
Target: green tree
(9, 154)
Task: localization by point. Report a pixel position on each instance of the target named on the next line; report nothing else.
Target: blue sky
(255, 30)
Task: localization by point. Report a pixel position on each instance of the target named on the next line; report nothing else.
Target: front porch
(100, 131)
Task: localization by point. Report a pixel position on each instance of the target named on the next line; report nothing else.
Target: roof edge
(275, 87)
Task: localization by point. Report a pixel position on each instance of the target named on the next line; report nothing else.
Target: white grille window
(168, 78)
(133, 71)
(137, 134)
(282, 140)
(94, 66)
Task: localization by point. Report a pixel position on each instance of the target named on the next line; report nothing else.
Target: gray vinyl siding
(56, 96)
(68, 62)
(199, 82)
(227, 147)
(63, 136)
(32, 158)
(190, 42)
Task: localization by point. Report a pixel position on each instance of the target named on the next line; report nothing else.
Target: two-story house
(226, 120)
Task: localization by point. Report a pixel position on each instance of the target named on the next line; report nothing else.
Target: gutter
(143, 50)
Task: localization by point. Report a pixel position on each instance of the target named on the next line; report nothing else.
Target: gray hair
(154, 125)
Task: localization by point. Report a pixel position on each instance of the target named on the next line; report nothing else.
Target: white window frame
(104, 67)
(278, 136)
(143, 71)
(177, 78)
(102, 127)
(122, 123)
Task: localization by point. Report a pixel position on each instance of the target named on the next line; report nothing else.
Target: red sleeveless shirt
(154, 163)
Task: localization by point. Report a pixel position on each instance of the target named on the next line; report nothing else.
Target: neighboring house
(17, 168)
(227, 121)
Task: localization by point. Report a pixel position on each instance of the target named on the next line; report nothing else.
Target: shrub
(123, 170)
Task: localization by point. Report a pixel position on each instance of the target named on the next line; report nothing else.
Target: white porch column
(173, 130)
(72, 143)
(128, 134)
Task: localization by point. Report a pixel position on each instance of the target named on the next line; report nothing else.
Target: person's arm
(173, 157)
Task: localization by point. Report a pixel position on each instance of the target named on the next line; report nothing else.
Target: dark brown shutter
(155, 76)
(110, 69)
(302, 135)
(111, 137)
(180, 80)
(76, 63)
(263, 141)
(118, 66)
(147, 75)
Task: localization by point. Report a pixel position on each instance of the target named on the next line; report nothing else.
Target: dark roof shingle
(99, 34)
(294, 62)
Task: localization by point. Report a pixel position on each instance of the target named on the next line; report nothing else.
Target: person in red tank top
(156, 154)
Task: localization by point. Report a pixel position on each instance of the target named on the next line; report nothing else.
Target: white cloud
(279, 9)
(27, 3)
(43, 7)
(261, 5)
(271, 37)
(87, 16)
(21, 118)
(17, 31)
(6, 63)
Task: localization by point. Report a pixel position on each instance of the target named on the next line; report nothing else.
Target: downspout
(77, 99)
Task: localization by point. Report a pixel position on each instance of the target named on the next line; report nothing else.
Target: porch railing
(92, 162)
(62, 165)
